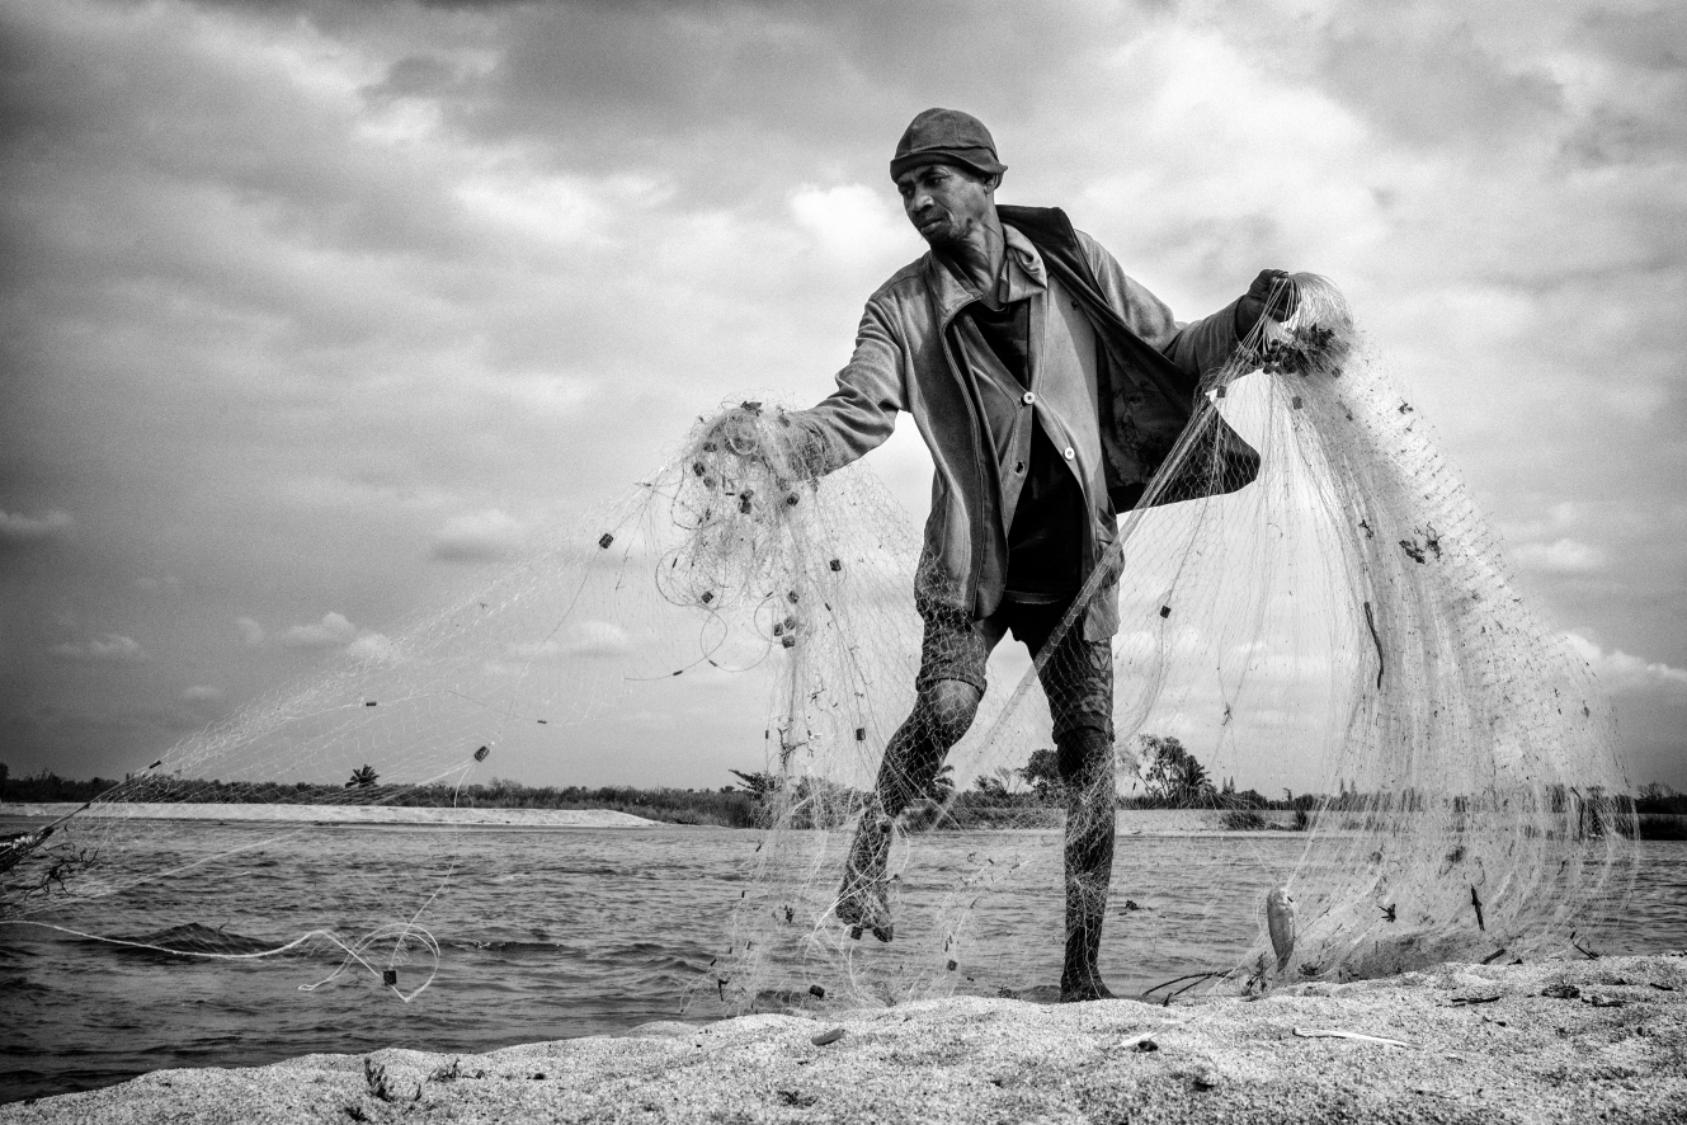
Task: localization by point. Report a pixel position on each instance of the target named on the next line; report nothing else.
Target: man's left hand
(1273, 294)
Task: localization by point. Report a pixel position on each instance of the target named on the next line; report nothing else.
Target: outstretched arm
(861, 413)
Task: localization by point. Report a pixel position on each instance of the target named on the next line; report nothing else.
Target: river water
(550, 934)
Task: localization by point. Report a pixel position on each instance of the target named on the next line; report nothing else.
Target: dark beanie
(946, 136)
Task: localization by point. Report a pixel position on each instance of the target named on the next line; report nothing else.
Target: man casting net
(1233, 563)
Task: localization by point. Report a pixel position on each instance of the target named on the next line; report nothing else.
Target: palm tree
(759, 784)
(1195, 787)
(1173, 774)
(364, 778)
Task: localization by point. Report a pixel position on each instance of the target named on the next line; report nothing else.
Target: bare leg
(1086, 765)
(942, 713)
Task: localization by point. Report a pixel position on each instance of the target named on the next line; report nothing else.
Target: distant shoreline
(336, 814)
(1132, 822)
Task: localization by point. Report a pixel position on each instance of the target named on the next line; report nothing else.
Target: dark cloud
(730, 101)
(414, 76)
(658, 91)
(1653, 39)
(1616, 134)
(91, 738)
(1431, 83)
(1640, 114)
(291, 287)
(138, 103)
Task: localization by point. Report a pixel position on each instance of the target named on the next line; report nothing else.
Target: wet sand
(1564, 1041)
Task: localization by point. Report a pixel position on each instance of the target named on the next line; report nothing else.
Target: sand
(1565, 1041)
(338, 814)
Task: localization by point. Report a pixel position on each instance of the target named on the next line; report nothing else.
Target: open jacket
(1114, 417)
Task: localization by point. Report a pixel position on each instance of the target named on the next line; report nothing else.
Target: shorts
(1077, 678)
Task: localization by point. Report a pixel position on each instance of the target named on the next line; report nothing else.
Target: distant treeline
(728, 808)
(1663, 813)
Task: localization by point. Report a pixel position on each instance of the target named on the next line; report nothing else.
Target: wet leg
(942, 713)
(1086, 766)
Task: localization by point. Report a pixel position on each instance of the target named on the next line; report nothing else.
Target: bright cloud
(849, 223)
(109, 648)
(478, 537)
(1622, 672)
(331, 632)
(375, 648)
(1561, 556)
(583, 638)
(334, 631)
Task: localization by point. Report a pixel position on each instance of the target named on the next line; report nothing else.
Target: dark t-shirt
(1046, 539)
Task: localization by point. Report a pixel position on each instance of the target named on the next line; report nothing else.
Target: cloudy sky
(316, 312)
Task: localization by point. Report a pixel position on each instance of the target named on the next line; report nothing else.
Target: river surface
(551, 934)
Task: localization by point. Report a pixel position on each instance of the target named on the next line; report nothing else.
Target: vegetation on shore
(1030, 796)
(731, 807)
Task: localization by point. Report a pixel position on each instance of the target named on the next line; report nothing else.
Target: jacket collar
(1025, 272)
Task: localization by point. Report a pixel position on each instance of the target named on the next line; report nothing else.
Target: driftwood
(1321, 1033)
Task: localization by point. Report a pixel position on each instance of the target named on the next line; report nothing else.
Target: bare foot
(863, 906)
(1090, 987)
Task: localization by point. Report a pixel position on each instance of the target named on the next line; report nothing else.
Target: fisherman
(1049, 387)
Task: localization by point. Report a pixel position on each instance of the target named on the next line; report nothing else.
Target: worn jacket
(1114, 379)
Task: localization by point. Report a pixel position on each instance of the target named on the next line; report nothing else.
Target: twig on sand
(1323, 1033)
(1583, 950)
(1193, 979)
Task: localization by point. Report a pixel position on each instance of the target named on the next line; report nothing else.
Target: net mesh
(1338, 629)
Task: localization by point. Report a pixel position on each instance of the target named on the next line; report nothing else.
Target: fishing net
(674, 609)
(1322, 680)
(1341, 625)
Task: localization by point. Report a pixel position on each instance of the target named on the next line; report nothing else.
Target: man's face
(946, 204)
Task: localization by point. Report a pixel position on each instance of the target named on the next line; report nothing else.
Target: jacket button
(1068, 453)
(1019, 466)
(1027, 398)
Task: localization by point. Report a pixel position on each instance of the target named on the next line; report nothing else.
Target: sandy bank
(343, 814)
(1132, 822)
(1551, 1042)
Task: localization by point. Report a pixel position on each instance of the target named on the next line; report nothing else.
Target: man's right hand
(1273, 294)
